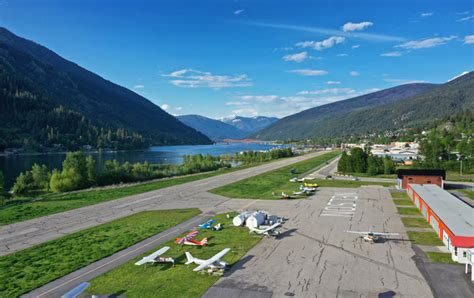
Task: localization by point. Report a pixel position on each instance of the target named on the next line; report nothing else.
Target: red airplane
(188, 240)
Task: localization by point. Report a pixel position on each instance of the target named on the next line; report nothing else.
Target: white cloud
(236, 103)
(466, 18)
(165, 107)
(348, 27)
(298, 57)
(178, 108)
(356, 46)
(250, 112)
(139, 86)
(469, 39)
(426, 43)
(333, 83)
(426, 14)
(309, 72)
(342, 55)
(260, 98)
(328, 91)
(391, 54)
(354, 73)
(325, 31)
(321, 45)
(402, 81)
(190, 78)
(239, 11)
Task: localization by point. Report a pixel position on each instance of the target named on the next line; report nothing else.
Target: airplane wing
(191, 235)
(385, 234)
(159, 252)
(357, 232)
(272, 227)
(153, 256)
(217, 257)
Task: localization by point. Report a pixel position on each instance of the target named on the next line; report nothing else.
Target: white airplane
(372, 237)
(213, 263)
(270, 231)
(156, 257)
(304, 191)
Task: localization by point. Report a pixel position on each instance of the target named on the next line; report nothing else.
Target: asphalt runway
(316, 257)
(25, 234)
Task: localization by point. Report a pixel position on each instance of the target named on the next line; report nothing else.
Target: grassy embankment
(468, 192)
(26, 208)
(262, 186)
(162, 280)
(31, 268)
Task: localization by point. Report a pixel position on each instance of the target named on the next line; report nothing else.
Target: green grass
(441, 257)
(262, 186)
(408, 211)
(455, 176)
(399, 195)
(389, 176)
(468, 192)
(415, 222)
(402, 202)
(179, 281)
(424, 238)
(31, 268)
(29, 208)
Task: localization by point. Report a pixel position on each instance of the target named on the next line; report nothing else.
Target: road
(316, 257)
(194, 194)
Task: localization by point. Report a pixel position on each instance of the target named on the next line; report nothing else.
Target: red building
(451, 218)
(415, 176)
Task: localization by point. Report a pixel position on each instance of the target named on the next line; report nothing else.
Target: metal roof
(421, 172)
(455, 214)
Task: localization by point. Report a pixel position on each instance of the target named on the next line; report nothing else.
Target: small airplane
(269, 231)
(372, 237)
(188, 237)
(217, 227)
(213, 263)
(310, 184)
(156, 257)
(207, 225)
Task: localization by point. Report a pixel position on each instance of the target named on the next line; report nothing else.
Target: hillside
(213, 129)
(250, 124)
(49, 101)
(396, 107)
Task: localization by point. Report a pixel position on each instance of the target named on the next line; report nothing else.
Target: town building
(420, 176)
(451, 218)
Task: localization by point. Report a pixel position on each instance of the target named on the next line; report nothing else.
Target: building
(451, 218)
(406, 176)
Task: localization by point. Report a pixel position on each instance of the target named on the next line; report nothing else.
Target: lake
(13, 165)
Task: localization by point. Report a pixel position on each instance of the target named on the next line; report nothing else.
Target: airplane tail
(190, 258)
(204, 241)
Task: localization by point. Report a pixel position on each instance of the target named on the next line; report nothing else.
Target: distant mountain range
(226, 128)
(49, 101)
(399, 107)
(250, 124)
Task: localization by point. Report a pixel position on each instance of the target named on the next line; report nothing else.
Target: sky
(252, 58)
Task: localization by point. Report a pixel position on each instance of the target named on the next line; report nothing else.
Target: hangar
(450, 217)
(420, 176)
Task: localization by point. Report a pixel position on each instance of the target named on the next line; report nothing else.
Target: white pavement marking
(341, 205)
(136, 202)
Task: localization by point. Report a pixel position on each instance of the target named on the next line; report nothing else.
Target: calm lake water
(12, 165)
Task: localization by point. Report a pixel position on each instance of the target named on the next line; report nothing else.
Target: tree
(74, 175)
(90, 168)
(358, 160)
(2, 188)
(23, 183)
(41, 177)
(388, 165)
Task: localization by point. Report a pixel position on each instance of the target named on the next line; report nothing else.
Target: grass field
(468, 192)
(277, 181)
(399, 195)
(441, 257)
(455, 176)
(424, 238)
(179, 281)
(403, 202)
(389, 176)
(31, 207)
(31, 268)
(408, 211)
(415, 222)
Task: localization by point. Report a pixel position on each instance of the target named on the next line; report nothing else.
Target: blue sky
(272, 58)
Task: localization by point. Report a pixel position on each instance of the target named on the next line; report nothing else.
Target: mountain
(395, 107)
(250, 124)
(49, 101)
(213, 129)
